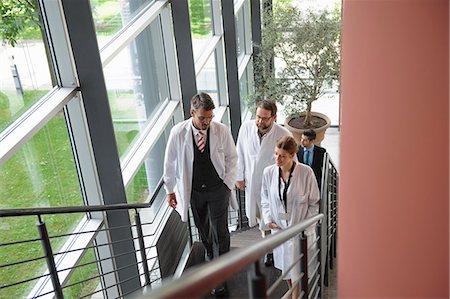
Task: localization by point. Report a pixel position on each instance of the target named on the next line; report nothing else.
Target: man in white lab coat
(255, 146)
(200, 170)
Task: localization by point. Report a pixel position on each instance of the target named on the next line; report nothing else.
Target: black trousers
(210, 211)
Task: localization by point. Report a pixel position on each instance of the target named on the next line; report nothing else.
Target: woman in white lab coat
(289, 194)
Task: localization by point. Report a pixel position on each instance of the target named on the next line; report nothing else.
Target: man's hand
(273, 225)
(172, 200)
(240, 185)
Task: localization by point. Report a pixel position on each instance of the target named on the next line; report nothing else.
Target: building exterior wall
(394, 195)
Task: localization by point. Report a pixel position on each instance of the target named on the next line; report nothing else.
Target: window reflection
(41, 174)
(149, 174)
(245, 89)
(201, 24)
(111, 15)
(240, 35)
(207, 79)
(137, 84)
(24, 76)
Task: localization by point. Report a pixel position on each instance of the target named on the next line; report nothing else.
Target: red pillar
(394, 164)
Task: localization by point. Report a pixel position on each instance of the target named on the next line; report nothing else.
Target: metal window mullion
(59, 44)
(147, 143)
(128, 33)
(170, 54)
(97, 122)
(184, 50)
(229, 37)
(221, 74)
(243, 66)
(255, 14)
(29, 124)
(247, 28)
(206, 53)
(217, 17)
(238, 4)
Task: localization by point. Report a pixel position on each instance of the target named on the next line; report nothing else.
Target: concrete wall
(394, 195)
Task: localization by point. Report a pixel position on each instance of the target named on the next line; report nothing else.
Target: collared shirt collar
(195, 130)
(309, 149)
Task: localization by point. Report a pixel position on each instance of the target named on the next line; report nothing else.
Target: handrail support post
(137, 220)
(256, 282)
(47, 247)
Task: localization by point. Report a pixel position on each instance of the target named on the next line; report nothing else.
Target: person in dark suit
(311, 154)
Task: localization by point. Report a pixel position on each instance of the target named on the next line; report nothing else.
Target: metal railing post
(241, 218)
(304, 264)
(47, 247)
(319, 245)
(256, 282)
(137, 220)
(191, 239)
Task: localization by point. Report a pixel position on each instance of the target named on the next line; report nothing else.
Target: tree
(17, 18)
(306, 48)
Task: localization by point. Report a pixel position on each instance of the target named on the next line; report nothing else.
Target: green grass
(12, 105)
(82, 273)
(42, 174)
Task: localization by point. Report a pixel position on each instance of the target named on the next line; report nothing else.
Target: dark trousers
(210, 211)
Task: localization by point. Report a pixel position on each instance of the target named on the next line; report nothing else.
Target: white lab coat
(253, 157)
(302, 202)
(179, 160)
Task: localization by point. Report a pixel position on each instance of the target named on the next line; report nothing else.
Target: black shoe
(268, 260)
(220, 291)
(208, 257)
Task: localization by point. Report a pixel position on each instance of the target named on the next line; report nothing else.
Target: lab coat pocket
(299, 200)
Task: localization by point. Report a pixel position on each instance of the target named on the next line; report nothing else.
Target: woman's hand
(273, 225)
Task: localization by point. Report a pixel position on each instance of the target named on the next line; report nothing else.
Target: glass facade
(110, 16)
(137, 84)
(56, 161)
(24, 76)
(207, 79)
(201, 24)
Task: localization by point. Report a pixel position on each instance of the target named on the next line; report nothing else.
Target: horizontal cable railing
(200, 280)
(61, 264)
(68, 262)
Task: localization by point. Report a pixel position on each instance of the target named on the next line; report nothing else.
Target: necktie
(201, 141)
(307, 158)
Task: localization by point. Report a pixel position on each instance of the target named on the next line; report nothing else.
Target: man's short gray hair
(202, 101)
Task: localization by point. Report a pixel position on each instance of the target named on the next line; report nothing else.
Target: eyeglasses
(263, 118)
(204, 118)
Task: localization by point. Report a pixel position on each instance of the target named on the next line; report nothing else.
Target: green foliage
(18, 19)
(200, 13)
(306, 48)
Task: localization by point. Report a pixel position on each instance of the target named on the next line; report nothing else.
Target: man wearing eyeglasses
(200, 170)
(255, 146)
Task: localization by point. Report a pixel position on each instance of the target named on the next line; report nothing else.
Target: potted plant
(298, 60)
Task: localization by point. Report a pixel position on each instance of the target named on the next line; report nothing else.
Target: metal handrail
(80, 209)
(199, 280)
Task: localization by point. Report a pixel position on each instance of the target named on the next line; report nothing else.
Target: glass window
(111, 15)
(245, 89)
(240, 35)
(24, 67)
(137, 84)
(201, 24)
(41, 174)
(207, 79)
(149, 174)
